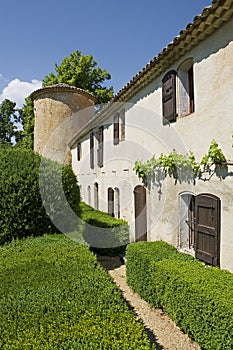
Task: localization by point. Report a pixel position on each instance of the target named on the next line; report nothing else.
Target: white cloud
(17, 90)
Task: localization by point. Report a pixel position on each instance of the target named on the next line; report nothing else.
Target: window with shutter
(92, 150)
(122, 125)
(191, 90)
(79, 151)
(185, 88)
(116, 129)
(169, 97)
(100, 150)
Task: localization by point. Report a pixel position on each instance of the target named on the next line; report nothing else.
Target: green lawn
(55, 295)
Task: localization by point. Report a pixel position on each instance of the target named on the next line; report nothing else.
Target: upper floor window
(100, 149)
(122, 124)
(185, 88)
(92, 150)
(178, 92)
(79, 151)
(169, 97)
(119, 127)
(116, 128)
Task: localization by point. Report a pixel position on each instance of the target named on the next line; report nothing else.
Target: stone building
(182, 100)
(60, 110)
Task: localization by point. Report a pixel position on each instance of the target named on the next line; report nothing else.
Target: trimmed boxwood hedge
(104, 234)
(55, 295)
(21, 206)
(198, 298)
(139, 257)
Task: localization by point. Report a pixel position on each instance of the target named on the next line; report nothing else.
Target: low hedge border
(55, 295)
(198, 298)
(104, 234)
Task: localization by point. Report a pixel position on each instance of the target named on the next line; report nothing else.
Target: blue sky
(123, 36)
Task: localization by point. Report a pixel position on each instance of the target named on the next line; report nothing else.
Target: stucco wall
(146, 135)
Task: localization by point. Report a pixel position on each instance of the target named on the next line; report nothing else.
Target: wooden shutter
(79, 151)
(100, 150)
(123, 124)
(92, 150)
(116, 129)
(207, 229)
(169, 97)
(191, 90)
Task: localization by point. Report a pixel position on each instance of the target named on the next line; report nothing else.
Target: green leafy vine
(180, 167)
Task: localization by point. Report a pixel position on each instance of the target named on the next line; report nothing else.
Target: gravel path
(161, 330)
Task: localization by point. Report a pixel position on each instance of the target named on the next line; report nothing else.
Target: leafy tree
(8, 120)
(27, 117)
(82, 71)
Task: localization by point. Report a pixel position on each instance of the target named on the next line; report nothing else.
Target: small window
(116, 129)
(169, 97)
(186, 88)
(79, 151)
(100, 150)
(92, 150)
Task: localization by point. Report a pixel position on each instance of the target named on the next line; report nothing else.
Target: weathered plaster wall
(146, 135)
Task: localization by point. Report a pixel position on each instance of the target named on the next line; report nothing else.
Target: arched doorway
(140, 213)
(96, 195)
(110, 202)
(186, 221)
(117, 202)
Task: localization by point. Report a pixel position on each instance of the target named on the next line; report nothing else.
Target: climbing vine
(180, 167)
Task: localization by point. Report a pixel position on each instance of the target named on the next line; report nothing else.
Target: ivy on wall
(182, 167)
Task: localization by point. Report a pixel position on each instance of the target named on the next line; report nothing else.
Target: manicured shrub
(104, 234)
(139, 256)
(55, 295)
(198, 298)
(24, 178)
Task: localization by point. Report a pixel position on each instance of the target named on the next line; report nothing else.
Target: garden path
(161, 330)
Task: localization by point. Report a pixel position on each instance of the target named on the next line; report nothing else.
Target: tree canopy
(76, 70)
(27, 118)
(82, 71)
(9, 117)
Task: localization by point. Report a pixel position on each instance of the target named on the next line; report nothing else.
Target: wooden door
(111, 202)
(140, 213)
(207, 228)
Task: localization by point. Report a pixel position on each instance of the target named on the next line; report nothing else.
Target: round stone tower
(60, 112)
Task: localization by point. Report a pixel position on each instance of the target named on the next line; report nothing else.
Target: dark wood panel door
(207, 228)
(140, 213)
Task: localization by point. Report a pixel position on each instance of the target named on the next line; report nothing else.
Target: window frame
(92, 157)
(100, 150)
